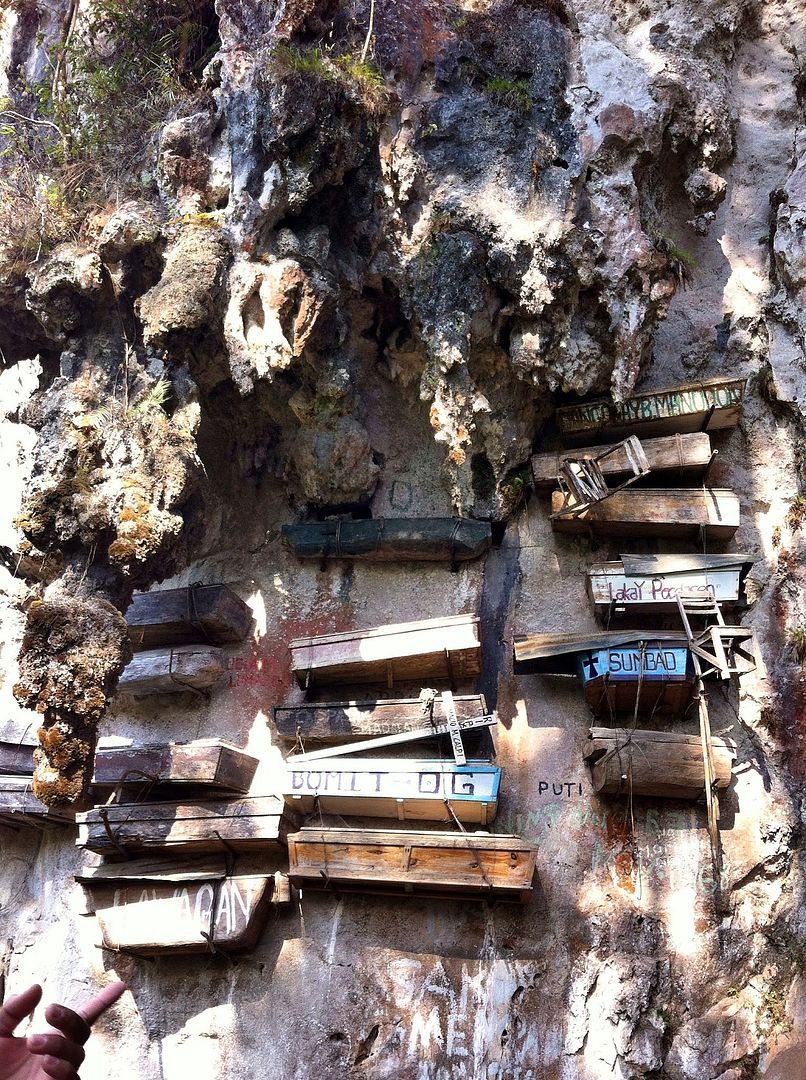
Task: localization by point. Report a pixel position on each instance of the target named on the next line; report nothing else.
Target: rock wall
(339, 292)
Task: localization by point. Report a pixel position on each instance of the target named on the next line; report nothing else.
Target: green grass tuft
(515, 94)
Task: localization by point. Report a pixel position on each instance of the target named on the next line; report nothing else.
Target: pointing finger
(14, 1009)
(98, 1005)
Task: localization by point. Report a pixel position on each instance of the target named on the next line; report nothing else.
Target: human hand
(58, 1053)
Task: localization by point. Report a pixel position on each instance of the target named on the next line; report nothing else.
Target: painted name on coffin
(630, 663)
(664, 590)
(186, 910)
(453, 783)
(655, 406)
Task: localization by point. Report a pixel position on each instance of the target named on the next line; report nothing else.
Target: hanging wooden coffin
(17, 758)
(405, 789)
(617, 669)
(446, 648)
(19, 806)
(650, 677)
(251, 824)
(407, 862)
(658, 763)
(683, 513)
(638, 584)
(679, 455)
(173, 671)
(340, 721)
(210, 762)
(210, 614)
(390, 539)
(702, 406)
(150, 909)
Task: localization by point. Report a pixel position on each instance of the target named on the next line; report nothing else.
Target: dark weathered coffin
(455, 735)
(339, 721)
(251, 824)
(17, 758)
(172, 671)
(220, 765)
(659, 763)
(637, 584)
(200, 613)
(650, 671)
(447, 648)
(401, 788)
(408, 862)
(683, 513)
(702, 406)
(387, 539)
(19, 806)
(150, 909)
(685, 455)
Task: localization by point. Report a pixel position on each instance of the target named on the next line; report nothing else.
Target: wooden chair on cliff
(582, 481)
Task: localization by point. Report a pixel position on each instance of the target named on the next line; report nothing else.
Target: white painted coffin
(406, 789)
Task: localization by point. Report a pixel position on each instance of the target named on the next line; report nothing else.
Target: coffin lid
(391, 628)
(646, 565)
(402, 837)
(548, 647)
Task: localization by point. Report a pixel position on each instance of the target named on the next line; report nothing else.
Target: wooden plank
(254, 823)
(17, 759)
(614, 590)
(333, 721)
(210, 614)
(406, 862)
(172, 671)
(446, 648)
(176, 871)
(684, 455)
(659, 764)
(19, 806)
(212, 762)
(683, 513)
(703, 406)
(152, 917)
(390, 539)
(407, 790)
(415, 735)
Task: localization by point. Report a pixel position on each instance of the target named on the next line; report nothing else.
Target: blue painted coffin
(659, 678)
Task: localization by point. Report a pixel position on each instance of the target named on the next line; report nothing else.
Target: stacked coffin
(630, 675)
(177, 636)
(180, 816)
(18, 804)
(356, 770)
(672, 425)
(180, 819)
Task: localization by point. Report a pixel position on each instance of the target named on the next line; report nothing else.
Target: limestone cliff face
(314, 285)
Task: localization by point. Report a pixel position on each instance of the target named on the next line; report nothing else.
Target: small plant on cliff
(797, 642)
(352, 73)
(515, 94)
(796, 514)
(681, 261)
